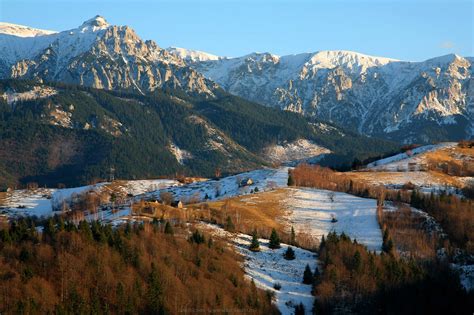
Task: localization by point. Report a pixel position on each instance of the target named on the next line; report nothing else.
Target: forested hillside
(55, 133)
(92, 268)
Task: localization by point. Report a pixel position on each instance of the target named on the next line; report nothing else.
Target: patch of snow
(410, 160)
(268, 267)
(40, 202)
(311, 210)
(137, 187)
(191, 55)
(35, 93)
(466, 275)
(180, 154)
(298, 150)
(22, 31)
(263, 179)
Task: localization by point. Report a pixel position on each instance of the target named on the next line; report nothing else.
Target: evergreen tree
(168, 228)
(307, 275)
(254, 244)
(292, 237)
(197, 237)
(289, 254)
(274, 240)
(387, 243)
(155, 292)
(299, 309)
(356, 261)
(291, 182)
(229, 225)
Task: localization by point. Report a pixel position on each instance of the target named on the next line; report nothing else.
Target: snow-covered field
(264, 179)
(39, 202)
(412, 160)
(268, 267)
(312, 209)
(137, 187)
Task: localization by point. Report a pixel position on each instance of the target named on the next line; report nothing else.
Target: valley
(232, 208)
(138, 179)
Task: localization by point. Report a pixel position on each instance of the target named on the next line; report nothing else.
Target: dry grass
(453, 161)
(3, 197)
(401, 178)
(261, 211)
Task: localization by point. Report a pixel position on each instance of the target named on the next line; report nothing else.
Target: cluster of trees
(454, 214)
(94, 268)
(356, 280)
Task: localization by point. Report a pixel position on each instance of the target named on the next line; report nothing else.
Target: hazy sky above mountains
(406, 29)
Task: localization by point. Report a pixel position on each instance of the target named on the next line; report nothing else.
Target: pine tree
(387, 243)
(307, 275)
(356, 261)
(168, 228)
(289, 254)
(255, 244)
(291, 181)
(292, 237)
(299, 309)
(155, 292)
(274, 240)
(229, 225)
(197, 237)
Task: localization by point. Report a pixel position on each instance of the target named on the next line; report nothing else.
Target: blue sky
(405, 29)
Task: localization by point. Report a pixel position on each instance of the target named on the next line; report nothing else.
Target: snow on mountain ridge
(192, 55)
(99, 55)
(374, 95)
(22, 30)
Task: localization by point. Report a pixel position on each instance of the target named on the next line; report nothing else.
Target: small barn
(177, 204)
(246, 182)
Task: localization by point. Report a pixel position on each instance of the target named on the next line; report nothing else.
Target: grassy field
(260, 211)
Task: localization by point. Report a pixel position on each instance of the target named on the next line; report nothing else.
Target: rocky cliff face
(375, 96)
(104, 56)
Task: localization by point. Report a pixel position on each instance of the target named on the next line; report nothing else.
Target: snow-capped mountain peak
(99, 55)
(373, 95)
(330, 59)
(22, 31)
(191, 55)
(94, 24)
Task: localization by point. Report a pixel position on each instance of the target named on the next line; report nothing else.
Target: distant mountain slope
(404, 101)
(98, 55)
(68, 134)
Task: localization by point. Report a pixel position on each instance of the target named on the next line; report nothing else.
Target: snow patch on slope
(22, 31)
(410, 159)
(35, 93)
(312, 210)
(191, 55)
(264, 179)
(300, 149)
(180, 154)
(268, 267)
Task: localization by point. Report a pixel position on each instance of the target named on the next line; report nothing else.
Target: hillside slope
(408, 101)
(67, 134)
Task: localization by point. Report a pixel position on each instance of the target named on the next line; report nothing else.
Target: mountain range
(403, 101)
(424, 101)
